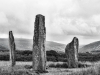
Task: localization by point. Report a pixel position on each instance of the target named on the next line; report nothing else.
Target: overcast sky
(65, 19)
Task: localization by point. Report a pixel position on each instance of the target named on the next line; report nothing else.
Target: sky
(64, 19)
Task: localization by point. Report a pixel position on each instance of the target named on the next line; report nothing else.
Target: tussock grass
(58, 65)
(65, 65)
(28, 66)
(93, 70)
(20, 72)
(19, 69)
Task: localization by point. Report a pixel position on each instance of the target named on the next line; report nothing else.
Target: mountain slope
(26, 44)
(55, 46)
(95, 46)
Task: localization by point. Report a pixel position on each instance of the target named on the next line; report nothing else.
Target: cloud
(80, 15)
(64, 18)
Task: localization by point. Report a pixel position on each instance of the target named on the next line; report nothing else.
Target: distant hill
(26, 44)
(55, 46)
(95, 46)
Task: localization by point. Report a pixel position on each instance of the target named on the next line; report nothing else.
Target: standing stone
(12, 48)
(71, 51)
(39, 54)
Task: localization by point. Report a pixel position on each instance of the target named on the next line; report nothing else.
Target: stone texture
(71, 51)
(12, 48)
(39, 54)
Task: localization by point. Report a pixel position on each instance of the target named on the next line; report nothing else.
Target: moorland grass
(65, 65)
(93, 70)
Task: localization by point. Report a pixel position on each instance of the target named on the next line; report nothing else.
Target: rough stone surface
(71, 51)
(39, 54)
(12, 48)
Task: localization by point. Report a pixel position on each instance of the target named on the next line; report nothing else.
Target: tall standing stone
(39, 54)
(71, 51)
(12, 48)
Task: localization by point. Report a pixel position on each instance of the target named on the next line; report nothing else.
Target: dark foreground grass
(65, 65)
(59, 65)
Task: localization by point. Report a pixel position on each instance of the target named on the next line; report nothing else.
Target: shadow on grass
(28, 66)
(60, 65)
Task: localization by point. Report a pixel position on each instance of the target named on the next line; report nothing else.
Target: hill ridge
(91, 47)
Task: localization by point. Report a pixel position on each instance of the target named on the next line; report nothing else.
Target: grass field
(56, 64)
(21, 69)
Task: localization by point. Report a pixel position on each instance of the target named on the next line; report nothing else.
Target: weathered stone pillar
(39, 54)
(12, 48)
(71, 51)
